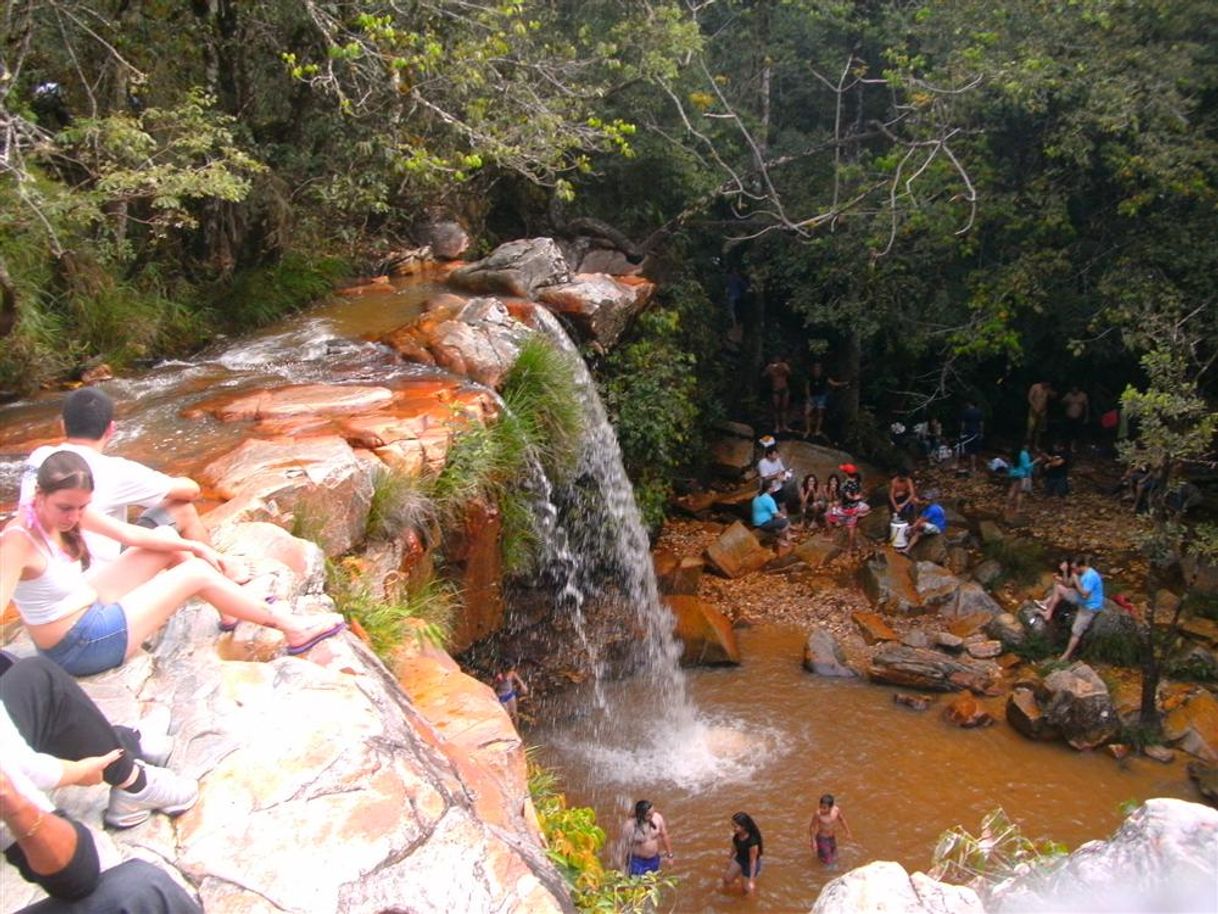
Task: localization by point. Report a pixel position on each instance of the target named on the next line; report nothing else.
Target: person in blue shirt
(768, 516)
(1081, 585)
(1020, 473)
(932, 520)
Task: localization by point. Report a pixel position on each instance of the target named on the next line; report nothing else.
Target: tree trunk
(854, 372)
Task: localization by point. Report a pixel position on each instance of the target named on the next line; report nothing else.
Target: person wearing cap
(768, 516)
(643, 836)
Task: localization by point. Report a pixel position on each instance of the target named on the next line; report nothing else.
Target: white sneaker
(165, 791)
(155, 748)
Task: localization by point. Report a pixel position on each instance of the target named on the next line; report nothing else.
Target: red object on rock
(1123, 601)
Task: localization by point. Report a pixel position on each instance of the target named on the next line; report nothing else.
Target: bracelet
(37, 824)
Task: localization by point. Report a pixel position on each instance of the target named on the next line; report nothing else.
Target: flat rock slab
(932, 671)
(706, 635)
(873, 628)
(737, 552)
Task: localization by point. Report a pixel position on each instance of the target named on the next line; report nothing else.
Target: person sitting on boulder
(931, 521)
(92, 622)
(811, 501)
(1081, 585)
(769, 517)
(853, 504)
(770, 469)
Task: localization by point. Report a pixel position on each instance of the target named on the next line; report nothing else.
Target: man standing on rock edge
(1084, 588)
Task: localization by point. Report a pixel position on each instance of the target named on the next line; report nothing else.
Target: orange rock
(873, 628)
(705, 632)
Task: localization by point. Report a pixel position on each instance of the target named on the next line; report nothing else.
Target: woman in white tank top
(89, 622)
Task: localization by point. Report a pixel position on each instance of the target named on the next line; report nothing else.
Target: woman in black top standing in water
(744, 862)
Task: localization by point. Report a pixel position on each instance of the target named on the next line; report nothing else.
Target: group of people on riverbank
(645, 835)
(90, 588)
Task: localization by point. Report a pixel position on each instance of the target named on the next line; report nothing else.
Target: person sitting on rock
(91, 622)
(853, 504)
(931, 521)
(811, 501)
(1081, 585)
(902, 495)
(87, 417)
(770, 469)
(769, 517)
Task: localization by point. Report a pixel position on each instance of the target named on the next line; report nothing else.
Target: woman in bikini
(91, 622)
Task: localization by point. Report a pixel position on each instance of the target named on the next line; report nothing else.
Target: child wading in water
(508, 687)
(822, 830)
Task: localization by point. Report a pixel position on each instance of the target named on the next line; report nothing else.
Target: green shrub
(540, 394)
(262, 295)
(399, 502)
(999, 851)
(386, 619)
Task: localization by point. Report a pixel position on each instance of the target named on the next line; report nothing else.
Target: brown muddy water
(781, 737)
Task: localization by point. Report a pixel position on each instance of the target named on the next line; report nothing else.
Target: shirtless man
(1039, 395)
(779, 374)
(1077, 407)
(643, 835)
(822, 830)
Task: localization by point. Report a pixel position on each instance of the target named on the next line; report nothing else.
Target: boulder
(738, 429)
(873, 628)
(931, 670)
(965, 711)
(1164, 857)
(473, 561)
(608, 260)
(1193, 726)
(518, 268)
(318, 486)
(948, 642)
(1006, 628)
(446, 238)
(972, 600)
(884, 887)
(598, 306)
(876, 524)
(1026, 717)
(677, 574)
(478, 339)
(737, 552)
(930, 549)
(987, 572)
(916, 638)
(1076, 702)
(936, 585)
(803, 458)
(957, 559)
(917, 702)
(1206, 779)
(823, 655)
(817, 551)
(731, 456)
(706, 635)
(984, 650)
(990, 532)
(887, 580)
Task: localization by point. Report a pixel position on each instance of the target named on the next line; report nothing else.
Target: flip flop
(297, 649)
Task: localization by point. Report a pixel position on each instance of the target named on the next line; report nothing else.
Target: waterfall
(595, 545)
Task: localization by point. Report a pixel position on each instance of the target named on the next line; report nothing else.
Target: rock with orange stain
(518, 268)
(299, 400)
(737, 552)
(965, 711)
(931, 670)
(1193, 726)
(707, 637)
(477, 569)
(873, 628)
(599, 306)
(317, 484)
(888, 582)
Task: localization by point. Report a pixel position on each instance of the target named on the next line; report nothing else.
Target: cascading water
(596, 547)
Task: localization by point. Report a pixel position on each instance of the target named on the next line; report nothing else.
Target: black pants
(134, 887)
(54, 715)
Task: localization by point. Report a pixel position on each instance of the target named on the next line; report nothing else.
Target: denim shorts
(97, 642)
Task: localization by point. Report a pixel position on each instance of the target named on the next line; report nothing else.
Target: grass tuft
(399, 502)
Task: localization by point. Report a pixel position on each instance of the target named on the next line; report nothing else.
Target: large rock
(823, 655)
(817, 551)
(473, 560)
(677, 574)
(1076, 702)
(599, 306)
(1006, 628)
(737, 552)
(884, 887)
(936, 585)
(731, 456)
(447, 238)
(1163, 858)
(972, 600)
(1193, 726)
(873, 628)
(888, 582)
(931, 670)
(298, 399)
(318, 486)
(324, 788)
(479, 339)
(1025, 716)
(706, 635)
(518, 268)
